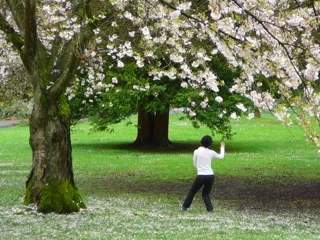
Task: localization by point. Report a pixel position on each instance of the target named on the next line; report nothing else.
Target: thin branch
(17, 10)
(182, 12)
(316, 14)
(67, 74)
(11, 35)
(30, 32)
(230, 36)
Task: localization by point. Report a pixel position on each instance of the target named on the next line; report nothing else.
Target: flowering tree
(63, 44)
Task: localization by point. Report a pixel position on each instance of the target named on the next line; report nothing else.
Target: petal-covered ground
(267, 187)
(127, 217)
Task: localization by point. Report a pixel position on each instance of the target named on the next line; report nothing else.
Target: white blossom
(218, 99)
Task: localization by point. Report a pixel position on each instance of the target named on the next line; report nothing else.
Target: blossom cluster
(278, 40)
(57, 21)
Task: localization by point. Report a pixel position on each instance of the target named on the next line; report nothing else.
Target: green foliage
(112, 108)
(133, 89)
(211, 115)
(136, 90)
(64, 108)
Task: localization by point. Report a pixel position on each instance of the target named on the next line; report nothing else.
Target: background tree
(153, 99)
(149, 84)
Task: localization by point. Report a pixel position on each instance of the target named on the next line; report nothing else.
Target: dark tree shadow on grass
(176, 147)
(184, 147)
(246, 193)
(263, 193)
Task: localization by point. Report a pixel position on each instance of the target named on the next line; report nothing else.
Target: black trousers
(201, 180)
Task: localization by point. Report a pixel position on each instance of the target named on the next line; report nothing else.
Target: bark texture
(153, 128)
(50, 185)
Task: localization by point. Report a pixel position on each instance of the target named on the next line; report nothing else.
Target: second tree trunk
(153, 128)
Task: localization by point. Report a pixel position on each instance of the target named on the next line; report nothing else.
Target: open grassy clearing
(267, 187)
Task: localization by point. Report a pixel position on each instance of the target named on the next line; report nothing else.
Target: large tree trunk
(161, 129)
(50, 185)
(145, 127)
(153, 128)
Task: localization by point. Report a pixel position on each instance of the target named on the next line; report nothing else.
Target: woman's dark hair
(206, 141)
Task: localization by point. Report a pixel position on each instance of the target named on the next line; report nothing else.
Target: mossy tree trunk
(50, 185)
(153, 128)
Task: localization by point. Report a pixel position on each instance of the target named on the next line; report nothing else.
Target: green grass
(267, 187)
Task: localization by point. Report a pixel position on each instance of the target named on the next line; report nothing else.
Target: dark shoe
(210, 209)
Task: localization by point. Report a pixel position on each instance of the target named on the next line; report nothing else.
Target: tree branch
(11, 35)
(163, 2)
(69, 59)
(66, 76)
(17, 10)
(30, 34)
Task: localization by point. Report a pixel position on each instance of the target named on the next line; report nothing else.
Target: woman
(202, 158)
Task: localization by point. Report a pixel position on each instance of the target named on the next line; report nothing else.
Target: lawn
(267, 187)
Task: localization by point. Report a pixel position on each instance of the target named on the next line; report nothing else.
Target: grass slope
(267, 187)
